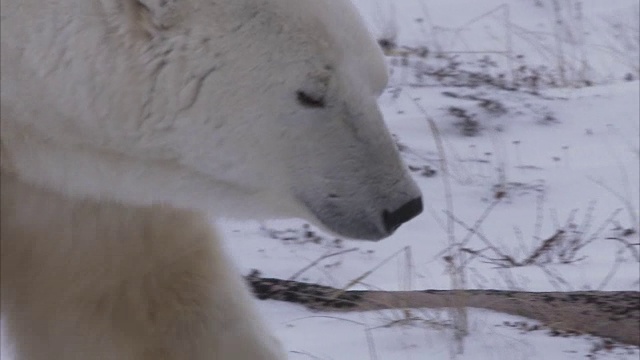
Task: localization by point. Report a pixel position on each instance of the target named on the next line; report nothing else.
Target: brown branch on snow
(610, 314)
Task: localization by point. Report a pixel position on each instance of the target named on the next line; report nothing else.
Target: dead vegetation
(614, 315)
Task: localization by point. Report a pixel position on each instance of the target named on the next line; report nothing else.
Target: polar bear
(127, 124)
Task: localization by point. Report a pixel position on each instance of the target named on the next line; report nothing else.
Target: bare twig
(459, 313)
(633, 216)
(614, 269)
(628, 245)
(472, 230)
(315, 262)
(372, 270)
(503, 257)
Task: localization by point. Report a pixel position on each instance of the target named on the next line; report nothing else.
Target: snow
(563, 151)
(603, 35)
(373, 336)
(599, 126)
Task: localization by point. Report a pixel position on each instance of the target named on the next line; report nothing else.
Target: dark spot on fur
(309, 101)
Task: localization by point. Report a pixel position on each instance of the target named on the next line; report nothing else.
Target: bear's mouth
(333, 214)
(356, 224)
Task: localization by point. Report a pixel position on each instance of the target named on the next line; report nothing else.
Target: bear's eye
(313, 91)
(309, 100)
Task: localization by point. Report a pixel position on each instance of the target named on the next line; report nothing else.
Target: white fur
(193, 104)
(106, 281)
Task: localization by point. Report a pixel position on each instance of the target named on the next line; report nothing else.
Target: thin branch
(315, 262)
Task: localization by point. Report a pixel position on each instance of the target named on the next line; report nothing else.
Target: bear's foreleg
(90, 280)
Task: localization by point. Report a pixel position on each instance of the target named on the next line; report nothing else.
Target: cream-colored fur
(86, 280)
(124, 122)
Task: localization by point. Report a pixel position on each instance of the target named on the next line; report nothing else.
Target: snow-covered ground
(577, 172)
(564, 159)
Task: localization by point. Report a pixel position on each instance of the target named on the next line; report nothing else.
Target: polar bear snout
(393, 219)
(368, 215)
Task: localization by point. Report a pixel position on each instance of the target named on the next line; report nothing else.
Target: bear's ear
(146, 16)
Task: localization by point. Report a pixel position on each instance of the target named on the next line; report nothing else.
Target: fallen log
(609, 314)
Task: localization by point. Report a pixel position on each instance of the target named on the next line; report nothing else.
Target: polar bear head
(251, 108)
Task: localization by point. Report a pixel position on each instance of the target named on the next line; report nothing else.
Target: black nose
(406, 212)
